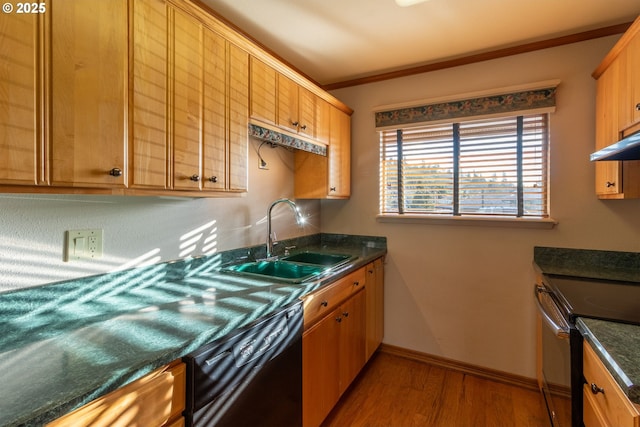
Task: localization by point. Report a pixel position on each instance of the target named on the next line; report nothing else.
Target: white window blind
(494, 166)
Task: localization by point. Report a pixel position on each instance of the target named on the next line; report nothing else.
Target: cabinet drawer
(321, 302)
(150, 401)
(608, 408)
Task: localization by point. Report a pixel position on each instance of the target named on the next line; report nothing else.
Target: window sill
(480, 221)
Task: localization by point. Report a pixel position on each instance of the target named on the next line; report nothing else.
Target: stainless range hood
(625, 149)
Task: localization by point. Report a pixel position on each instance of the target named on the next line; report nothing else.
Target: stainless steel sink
(318, 258)
(289, 272)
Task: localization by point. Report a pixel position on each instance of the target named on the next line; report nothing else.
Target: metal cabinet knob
(115, 172)
(356, 283)
(345, 314)
(194, 178)
(610, 184)
(339, 319)
(213, 178)
(332, 189)
(295, 124)
(303, 127)
(324, 303)
(638, 106)
(595, 389)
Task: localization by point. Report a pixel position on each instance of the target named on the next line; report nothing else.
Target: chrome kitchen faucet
(300, 220)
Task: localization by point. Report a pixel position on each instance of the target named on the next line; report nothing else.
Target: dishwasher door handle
(550, 312)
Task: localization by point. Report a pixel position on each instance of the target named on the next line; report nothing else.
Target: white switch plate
(83, 244)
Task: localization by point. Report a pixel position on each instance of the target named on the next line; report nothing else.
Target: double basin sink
(297, 268)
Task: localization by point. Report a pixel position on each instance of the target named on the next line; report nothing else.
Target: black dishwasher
(250, 378)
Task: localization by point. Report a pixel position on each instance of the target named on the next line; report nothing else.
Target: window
(495, 166)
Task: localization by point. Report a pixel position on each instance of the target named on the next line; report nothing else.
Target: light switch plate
(83, 244)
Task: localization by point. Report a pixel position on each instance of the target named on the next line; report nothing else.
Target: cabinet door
(238, 119)
(19, 135)
(629, 101)
(148, 140)
(215, 111)
(306, 113)
(323, 120)
(352, 339)
(339, 150)
(187, 101)
(374, 288)
(263, 91)
(634, 71)
(288, 117)
(320, 367)
(608, 174)
(89, 70)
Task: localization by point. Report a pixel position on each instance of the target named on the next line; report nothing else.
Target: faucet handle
(287, 248)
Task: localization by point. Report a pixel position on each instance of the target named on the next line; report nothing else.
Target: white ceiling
(337, 40)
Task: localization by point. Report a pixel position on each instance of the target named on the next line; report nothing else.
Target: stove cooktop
(598, 299)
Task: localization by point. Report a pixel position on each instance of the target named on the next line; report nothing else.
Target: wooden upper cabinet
(288, 116)
(263, 80)
(322, 120)
(629, 101)
(20, 139)
(89, 64)
(327, 177)
(238, 118)
(226, 107)
(617, 98)
(148, 156)
(296, 108)
(187, 79)
(190, 103)
(339, 180)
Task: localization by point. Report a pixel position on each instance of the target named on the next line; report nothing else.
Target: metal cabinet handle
(345, 314)
(295, 124)
(303, 127)
(332, 189)
(638, 106)
(194, 178)
(356, 283)
(595, 389)
(213, 178)
(115, 172)
(339, 319)
(324, 303)
(610, 184)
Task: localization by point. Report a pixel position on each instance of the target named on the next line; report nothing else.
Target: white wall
(465, 292)
(144, 230)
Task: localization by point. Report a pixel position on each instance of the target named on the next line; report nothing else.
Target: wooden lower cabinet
(343, 328)
(333, 352)
(605, 404)
(155, 400)
(374, 288)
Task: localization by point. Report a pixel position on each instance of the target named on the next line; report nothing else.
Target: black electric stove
(595, 298)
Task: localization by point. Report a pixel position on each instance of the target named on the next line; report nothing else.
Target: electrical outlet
(83, 244)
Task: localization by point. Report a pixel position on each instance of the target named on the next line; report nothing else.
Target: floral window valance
(527, 100)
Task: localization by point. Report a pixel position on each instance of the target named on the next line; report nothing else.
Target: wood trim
(484, 56)
(490, 374)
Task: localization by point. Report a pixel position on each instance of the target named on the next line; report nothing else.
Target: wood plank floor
(393, 391)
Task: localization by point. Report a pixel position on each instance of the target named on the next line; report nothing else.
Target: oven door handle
(550, 312)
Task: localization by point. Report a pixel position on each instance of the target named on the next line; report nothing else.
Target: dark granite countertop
(616, 344)
(588, 263)
(65, 344)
